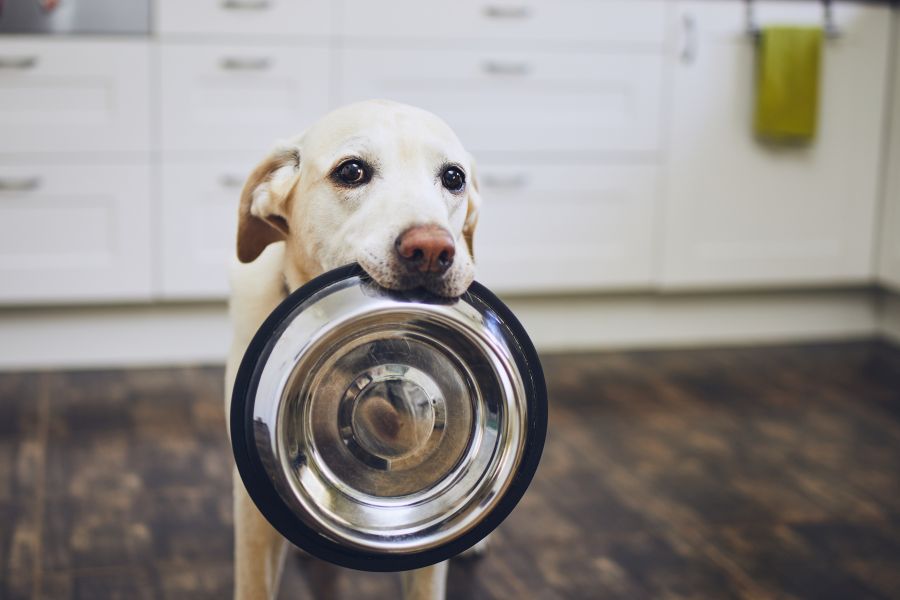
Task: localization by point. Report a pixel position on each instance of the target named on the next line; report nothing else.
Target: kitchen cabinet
(741, 213)
(66, 95)
(74, 233)
(889, 255)
(560, 102)
(552, 227)
(510, 101)
(559, 21)
(614, 141)
(240, 97)
(198, 224)
(243, 17)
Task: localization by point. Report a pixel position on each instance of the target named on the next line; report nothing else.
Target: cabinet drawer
(630, 21)
(520, 101)
(74, 233)
(552, 228)
(74, 96)
(199, 225)
(229, 17)
(240, 97)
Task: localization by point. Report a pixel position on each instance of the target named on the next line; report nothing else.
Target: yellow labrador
(380, 183)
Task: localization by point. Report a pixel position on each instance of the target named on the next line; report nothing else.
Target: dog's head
(380, 183)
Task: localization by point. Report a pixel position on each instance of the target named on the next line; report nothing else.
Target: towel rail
(830, 29)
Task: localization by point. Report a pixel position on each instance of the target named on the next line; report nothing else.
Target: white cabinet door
(74, 233)
(572, 227)
(738, 212)
(889, 258)
(236, 17)
(199, 224)
(240, 97)
(511, 101)
(529, 21)
(73, 95)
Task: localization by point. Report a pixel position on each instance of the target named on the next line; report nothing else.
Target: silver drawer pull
(506, 12)
(18, 62)
(689, 50)
(234, 63)
(231, 181)
(513, 181)
(19, 184)
(505, 68)
(246, 4)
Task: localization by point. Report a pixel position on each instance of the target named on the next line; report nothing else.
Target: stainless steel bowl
(385, 430)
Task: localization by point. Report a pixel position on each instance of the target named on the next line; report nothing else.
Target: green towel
(787, 87)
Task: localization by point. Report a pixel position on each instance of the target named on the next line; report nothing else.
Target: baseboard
(120, 336)
(890, 317)
(651, 321)
(117, 336)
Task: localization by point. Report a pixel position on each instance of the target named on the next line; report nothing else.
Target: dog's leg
(476, 551)
(429, 583)
(258, 550)
(323, 580)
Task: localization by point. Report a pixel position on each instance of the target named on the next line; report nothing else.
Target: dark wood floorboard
(717, 473)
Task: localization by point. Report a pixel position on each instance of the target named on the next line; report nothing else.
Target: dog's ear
(473, 204)
(262, 216)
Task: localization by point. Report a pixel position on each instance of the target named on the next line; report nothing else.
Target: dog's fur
(296, 221)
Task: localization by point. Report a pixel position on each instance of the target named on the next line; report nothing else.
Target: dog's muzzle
(384, 430)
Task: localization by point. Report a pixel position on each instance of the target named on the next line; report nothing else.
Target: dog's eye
(352, 172)
(453, 179)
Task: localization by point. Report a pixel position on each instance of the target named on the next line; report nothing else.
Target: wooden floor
(740, 473)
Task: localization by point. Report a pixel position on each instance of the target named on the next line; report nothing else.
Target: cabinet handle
(513, 181)
(18, 62)
(234, 63)
(504, 68)
(494, 11)
(19, 184)
(231, 181)
(246, 4)
(689, 49)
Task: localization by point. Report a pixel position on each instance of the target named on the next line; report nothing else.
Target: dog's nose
(426, 248)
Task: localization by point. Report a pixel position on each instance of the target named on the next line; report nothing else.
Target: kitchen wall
(627, 201)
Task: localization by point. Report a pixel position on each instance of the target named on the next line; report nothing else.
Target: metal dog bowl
(384, 430)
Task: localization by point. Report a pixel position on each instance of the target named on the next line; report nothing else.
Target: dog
(379, 183)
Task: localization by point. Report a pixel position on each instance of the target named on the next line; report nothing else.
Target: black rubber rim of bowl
(273, 508)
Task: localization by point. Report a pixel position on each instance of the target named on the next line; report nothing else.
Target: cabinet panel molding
(243, 17)
(579, 21)
(566, 227)
(198, 225)
(74, 96)
(240, 97)
(520, 102)
(74, 233)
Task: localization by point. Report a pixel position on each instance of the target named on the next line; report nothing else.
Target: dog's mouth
(437, 285)
(433, 284)
(449, 285)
